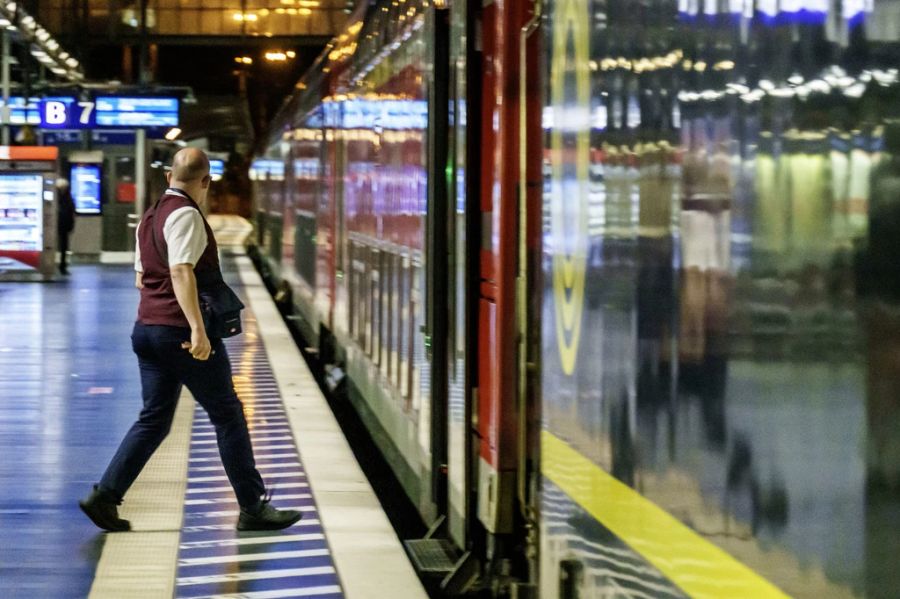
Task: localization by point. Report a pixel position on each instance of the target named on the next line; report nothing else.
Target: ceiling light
(305, 12)
(72, 62)
(291, 54)
(173, 133)
(4, 22)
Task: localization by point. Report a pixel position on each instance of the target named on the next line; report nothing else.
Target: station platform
(69, 390)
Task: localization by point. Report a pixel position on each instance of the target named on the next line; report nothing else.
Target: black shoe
(265, 517)
(100, 507)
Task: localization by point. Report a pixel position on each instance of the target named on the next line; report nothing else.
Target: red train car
(398, 271)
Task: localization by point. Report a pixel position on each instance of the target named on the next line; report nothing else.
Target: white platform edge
(368, 556)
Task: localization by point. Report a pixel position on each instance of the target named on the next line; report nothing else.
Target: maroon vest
(158, 302)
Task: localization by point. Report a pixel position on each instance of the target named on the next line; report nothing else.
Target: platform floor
(69, 389)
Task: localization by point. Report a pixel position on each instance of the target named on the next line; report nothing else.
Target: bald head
(190, 173)
(189, 165)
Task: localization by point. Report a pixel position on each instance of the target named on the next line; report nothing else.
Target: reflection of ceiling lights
(173, 133)
(832, 80)
(246, 16)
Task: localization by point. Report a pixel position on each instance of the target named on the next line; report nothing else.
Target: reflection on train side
(384, 194)
(738, 362)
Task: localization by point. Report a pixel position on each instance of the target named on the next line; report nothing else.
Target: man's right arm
(184, 282)
(186, 239)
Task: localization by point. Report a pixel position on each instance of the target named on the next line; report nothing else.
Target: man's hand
(139, 280)
(199, 345)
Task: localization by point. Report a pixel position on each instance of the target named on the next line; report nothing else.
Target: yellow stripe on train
(698, 567)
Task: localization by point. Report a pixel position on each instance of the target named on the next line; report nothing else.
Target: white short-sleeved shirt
(184, 233)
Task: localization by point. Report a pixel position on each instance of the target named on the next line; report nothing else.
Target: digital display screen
(85, 185)
(216, 168)
(119, 111)
(22, 111)
(21, 213)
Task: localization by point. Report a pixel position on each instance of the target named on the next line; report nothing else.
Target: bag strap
(163, 255)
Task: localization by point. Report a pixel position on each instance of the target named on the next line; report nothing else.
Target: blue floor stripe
(214, 559)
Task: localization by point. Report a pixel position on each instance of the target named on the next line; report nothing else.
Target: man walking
(173, 350)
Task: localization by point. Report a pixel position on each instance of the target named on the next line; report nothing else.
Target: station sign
(124, 112)
(65, 113)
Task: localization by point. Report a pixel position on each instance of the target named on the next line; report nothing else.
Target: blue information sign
(85, 185)
(216, 168)
(136, 112)
(62, 137)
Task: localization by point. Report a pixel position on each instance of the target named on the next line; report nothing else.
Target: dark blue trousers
(165, 367)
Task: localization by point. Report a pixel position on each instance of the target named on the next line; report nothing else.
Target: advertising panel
(21, 221)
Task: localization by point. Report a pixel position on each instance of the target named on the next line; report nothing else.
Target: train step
(433, 557)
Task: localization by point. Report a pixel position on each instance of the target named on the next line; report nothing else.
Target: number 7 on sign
(86, 109)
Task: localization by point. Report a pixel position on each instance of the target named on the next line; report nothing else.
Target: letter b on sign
(54, 114)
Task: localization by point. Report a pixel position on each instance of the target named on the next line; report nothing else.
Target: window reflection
(741, 317)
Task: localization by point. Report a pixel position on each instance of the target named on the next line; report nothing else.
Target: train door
(510, 180)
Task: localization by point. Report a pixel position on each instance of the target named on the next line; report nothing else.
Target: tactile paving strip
(139, 564)
(215, 560)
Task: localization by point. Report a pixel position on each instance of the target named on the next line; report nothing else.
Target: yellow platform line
(698, 567)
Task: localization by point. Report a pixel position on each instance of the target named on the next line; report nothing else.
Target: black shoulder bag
(219, 304)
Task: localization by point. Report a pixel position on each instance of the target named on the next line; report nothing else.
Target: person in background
(65, 221)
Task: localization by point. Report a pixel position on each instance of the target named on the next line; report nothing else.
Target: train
(612, 284)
